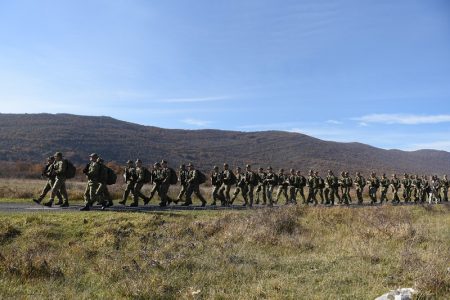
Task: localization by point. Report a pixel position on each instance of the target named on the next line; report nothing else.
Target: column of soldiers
(254, 187)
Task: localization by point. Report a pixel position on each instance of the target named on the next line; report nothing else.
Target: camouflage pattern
(360, 183)
(384, 184)
(251, 181)
(374, 184)
(282, 186)
(331, 188)
(292, 187)
(216, 183)
(406, 183)
(444, 188)
(140, 182)
(49, 174)
(130, 181)
(300, 186)
(241, 187)
(102, 193)
(395, 184)
(182, 178)
(319, 186)
(261, 188)
(193, 187)
(271, 181)
(224, 190)
(311, 182)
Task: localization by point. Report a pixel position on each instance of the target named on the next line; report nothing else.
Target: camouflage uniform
(435, 190)
(182, 177)
(193, 186)
(261, 188)
(292, 179)
(300, 186)
(374, 184)
(346, 184)
(102, 193)
(251, 180)
(216, 183)
(331, 185)
(415, 188)
(164, 178)
(360, 183)
(48, 172)
(140, 182)
(396, 184)
(425, 188)
(444, 188)
(130, 181)
(93, 174)
(282, 186)
(406, 182)
(241, 187)
(271, 181)
(311, 181)
(384, 184)
(320, 185)
(227, 181)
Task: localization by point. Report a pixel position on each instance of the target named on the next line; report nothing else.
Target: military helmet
(100, 160)
(261, 169)
(129, 161)
(93, 155)
(269, 168)
(138, 160)
(163, 161)
(58, 154)
(190, 165)
(51, 158)
(247, 166)
(157, 164)
(225, 165)
(215, 167)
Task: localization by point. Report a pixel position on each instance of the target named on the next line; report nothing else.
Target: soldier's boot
(60, 201)
(134, 204)
(37, 201)
(49, 203)
(65, 204)
(147, 199)
(123, 202)
(85, 208)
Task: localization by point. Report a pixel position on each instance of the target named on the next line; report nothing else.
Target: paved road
(32, 207)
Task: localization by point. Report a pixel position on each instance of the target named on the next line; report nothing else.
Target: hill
(31, 137)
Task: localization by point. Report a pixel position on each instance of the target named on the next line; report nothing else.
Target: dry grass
(291, 252)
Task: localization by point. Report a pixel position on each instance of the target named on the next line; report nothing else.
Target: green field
(290, 252)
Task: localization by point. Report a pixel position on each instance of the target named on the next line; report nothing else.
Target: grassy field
(286, 253)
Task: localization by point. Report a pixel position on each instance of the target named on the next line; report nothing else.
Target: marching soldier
(444, 188)
(384, 183)
(130, 181)
(271, 182)
(374, 184)
(261, 187)
(311, 181)
(300, 186)
(228, 179)
(102, 192)
(164, 179)
(320, 185)
(406, 182)
(251, 180)
(48, 172)
(241, 187)
(142, 177)
(360, 183)
(292, 179)
(92, 172)
(330, 186)
(216, 183)
(193, 186)
(282, 186)
(396, 184)
(426, 189)
(155, 181)
(415, 187)
(346, 184)
(182, 177)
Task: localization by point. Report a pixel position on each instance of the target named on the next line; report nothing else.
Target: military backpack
(201, 177)
(147, 175)
(70, 170)
(173, 176)
(111, 177)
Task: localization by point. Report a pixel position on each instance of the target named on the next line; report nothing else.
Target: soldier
(241, 187)
(292, 179)
(142, 177)
(271, 181)
(301, 183)
(435, 190)
(251, 180)
(216, 183)
(102, 192)
(49, 173)
(330, 186)
(182, 177)
(311, 181)
(360, 183)
(374, 184)
(59, 169)
(415, 187)
(92, 172)
(282, 186)
(349, 183)
(164, 179)
(193, 186)
(396, 184)
(228, 179)
(261, 187)
(155, 180)
(406, 182)
(384, 183)
(425, 188)
(130, 181)
(320, 185)
(346, 184)
(444, 188)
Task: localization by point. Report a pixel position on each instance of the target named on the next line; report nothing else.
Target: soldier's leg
(445, 193)
(332, 193)
(292, 198)
(227, 193)
(285, 193)
(250, 194)
(279, 191)
(302, 194)
(199, 195)
(162, 193)
(189, 192)
(45, 190)
(264, 194)
(93, 187)
(236, 192)
(137, 193)
(326, 193)
(215, 195)
(153, 191)
(269, 195)
(258, 191)
(55, 189)
(322, 199)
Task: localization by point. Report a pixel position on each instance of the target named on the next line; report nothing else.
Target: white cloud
(196, 122)
(405, 119)
(335, 122)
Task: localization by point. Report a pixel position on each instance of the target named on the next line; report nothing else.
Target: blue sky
(375, 72)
